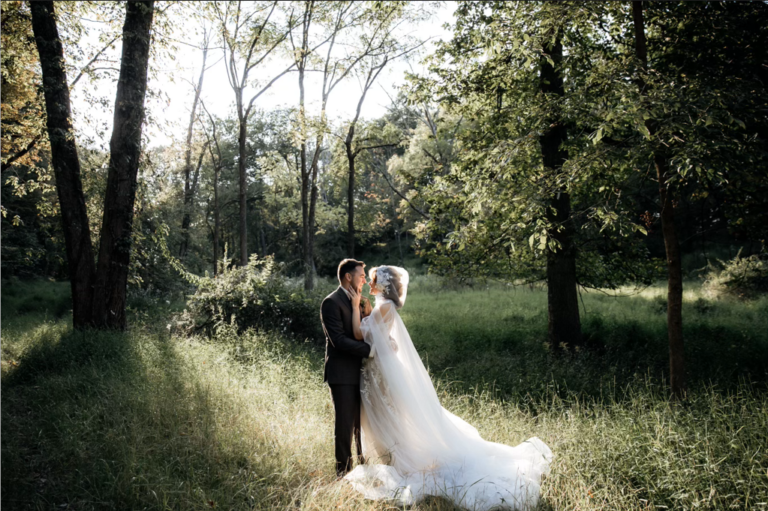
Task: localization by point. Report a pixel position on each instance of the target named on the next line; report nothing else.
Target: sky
(170, 112)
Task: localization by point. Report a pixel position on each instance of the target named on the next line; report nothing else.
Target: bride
(413, 446)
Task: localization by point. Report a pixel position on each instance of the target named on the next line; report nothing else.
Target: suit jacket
(343, 353)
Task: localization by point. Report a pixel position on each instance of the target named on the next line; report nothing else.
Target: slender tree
(671, 243)
(189, 181)
(212, 142)
(249, 39)
(352, 152)
(337, 20)
(389, 50)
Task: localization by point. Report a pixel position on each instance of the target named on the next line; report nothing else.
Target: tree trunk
(125, 149)
(352, 154)
(351, 202)
(189, 197)
(243, 189)
(263, 238)
(310, 259)
(305, 175)
(397, 233)
(188, 187)
(674, 284)
(216, 222)
(562, 297)
(671, 243)
(351, 180)
(66, 164)
(307, 258)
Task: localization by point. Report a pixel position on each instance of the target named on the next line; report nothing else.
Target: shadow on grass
(35, 297)
(97, 420)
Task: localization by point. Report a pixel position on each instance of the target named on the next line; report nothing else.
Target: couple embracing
(408, 445)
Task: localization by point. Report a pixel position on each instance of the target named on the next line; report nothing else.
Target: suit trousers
(346, 404)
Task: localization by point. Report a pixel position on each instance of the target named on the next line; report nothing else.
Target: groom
(343, 360)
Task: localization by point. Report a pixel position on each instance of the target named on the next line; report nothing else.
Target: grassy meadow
(149, 419)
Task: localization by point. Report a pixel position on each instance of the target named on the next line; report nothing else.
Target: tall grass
(495, 335)
(149, 420)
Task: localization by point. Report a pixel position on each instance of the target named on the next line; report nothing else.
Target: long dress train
(414, 447)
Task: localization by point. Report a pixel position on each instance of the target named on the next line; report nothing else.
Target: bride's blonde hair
(393, 290)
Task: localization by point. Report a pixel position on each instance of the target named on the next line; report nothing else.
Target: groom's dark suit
(343, 360)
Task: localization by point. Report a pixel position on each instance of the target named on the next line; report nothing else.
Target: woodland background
(579, 191)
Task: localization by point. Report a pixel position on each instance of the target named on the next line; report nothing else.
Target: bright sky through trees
(177, 70)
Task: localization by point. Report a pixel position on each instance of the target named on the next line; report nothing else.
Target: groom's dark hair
(347, 266)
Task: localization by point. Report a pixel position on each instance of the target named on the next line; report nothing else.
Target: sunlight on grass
(154, 421)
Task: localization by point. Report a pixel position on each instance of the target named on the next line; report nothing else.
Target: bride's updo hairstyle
(388, 280)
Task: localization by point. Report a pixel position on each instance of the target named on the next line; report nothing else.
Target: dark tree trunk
(125, 149)
(189, 197)
(352, 154)
(189, 189)
(671, 243)
(66, 164)
(562, 297)
(305, 178)
(397, 234)
(263, 238)
(212, 143)
(243, 189)
(351, 199)
(309, 260)
(216, 222)
(674, 284)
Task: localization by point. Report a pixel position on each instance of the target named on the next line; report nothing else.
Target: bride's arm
(356, 315)
(356, 324)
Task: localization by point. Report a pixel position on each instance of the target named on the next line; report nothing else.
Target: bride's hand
(355, 298)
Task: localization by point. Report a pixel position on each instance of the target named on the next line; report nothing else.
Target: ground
(154, 420)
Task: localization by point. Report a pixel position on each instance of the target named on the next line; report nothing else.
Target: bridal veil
(414, 447)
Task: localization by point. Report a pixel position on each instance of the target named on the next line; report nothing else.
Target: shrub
(258, 296)
(744, 277)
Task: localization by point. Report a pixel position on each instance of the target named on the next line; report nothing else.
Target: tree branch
(98, 54)
(9, 162)
(417, 210)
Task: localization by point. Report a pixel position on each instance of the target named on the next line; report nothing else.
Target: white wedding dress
(414, 447)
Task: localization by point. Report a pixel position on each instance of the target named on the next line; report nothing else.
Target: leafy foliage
(257, 296)
(744, 277)
(491, 207)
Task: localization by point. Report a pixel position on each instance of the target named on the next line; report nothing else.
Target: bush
(256, 296)
(744, 277)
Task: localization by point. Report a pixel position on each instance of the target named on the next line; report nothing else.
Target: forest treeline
(579, 144)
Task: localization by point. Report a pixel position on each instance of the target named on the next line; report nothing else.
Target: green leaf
(598, 136)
